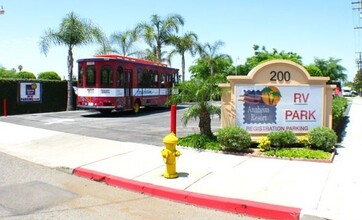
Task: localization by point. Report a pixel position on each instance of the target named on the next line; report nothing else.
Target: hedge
(54, 97)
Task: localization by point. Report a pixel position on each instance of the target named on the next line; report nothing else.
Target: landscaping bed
(294, 154)
(318, 145)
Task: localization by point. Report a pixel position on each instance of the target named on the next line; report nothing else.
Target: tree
(186, 43)
(50, 75)
(73, 31)
(210, 54)
(200, 91)
(314, 70)
(331, 68)
(201, 69)
(4, 73)
(263, 55)
(348, 84)
(158, 31)
(125, 41)
(357, 82)
(105, 47)
(151, 54)
(25, 75)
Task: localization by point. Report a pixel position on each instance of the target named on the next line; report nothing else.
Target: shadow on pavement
(117, 114)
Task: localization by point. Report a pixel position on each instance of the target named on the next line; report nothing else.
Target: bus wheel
(136, 107)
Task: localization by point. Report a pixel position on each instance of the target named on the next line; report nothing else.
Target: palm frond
(192, 112)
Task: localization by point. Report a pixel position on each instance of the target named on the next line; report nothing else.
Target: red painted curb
(246, 207)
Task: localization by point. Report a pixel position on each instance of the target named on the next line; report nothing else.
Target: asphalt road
(150, 126)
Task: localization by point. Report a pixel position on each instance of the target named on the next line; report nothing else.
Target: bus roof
(125, 58)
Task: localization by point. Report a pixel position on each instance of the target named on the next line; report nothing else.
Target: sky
(310, 28)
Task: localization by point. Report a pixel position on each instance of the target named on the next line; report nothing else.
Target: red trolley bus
(114, 82)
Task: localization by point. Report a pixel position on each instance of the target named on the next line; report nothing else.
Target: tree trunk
(70, 80)
(183, 67)
(205, 122)
(158, 53)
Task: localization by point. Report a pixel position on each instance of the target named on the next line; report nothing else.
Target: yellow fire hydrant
(169, 155)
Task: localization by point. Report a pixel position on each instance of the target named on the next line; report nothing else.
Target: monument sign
(277, 95)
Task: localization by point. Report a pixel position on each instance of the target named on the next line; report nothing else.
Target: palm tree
(210, 54)
(105, 47)
(183, 44)
(151, 54)
(200, 91)
(73, 31)
(157, 33)
(125, 41)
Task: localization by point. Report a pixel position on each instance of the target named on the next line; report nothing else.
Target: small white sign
(30, 92)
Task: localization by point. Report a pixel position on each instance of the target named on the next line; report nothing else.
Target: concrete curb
(240, 206)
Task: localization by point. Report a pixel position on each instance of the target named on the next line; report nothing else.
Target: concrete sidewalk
(269, 188)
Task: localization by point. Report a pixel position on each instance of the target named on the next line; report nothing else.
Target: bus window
(120, 77)
(169, 80)
(173, 79)
(150, 78)
(106, 76)
(91, 76)
(176, 78)
(146, 78)
(163, 80)
(139, 78)
(155, 80)
(80, 76)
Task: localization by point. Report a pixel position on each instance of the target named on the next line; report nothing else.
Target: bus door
(128, 86)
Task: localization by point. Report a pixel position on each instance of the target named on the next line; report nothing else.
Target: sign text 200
(279, 76)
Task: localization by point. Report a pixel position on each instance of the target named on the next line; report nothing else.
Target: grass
(298, 153)
(199, 141)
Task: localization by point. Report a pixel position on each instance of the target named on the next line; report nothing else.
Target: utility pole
(2, 11)
(357, 5)
(359, 61)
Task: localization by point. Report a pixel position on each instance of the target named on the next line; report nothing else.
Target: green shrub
(322, 138)
(339, 106)
(233, 138)
(25, 75)
(213, 145)
(10, 74)
(50, 75)
(199, 141)
(281, 139)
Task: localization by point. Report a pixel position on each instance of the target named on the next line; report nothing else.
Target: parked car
(347, 91)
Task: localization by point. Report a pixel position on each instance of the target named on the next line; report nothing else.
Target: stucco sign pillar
(277, 95)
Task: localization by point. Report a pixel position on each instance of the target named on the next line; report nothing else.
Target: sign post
(5, 107)
(173, 119)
